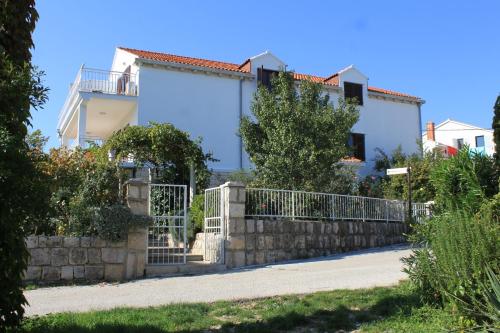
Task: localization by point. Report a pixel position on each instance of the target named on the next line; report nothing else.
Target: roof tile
(245, 67)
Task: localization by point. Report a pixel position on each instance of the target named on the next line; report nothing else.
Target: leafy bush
(396, 187)
(197, 213)
(113, 222)
(460, 181)
(458, 244)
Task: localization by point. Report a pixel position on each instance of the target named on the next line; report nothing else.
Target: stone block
(269, 242)
(260, 257)
(131, 266)
(97, 242)
(51, 273)
(322, 228)
(236, 242)
(239, 259)
(114, 272)
(300, 242)
(59, 256)
(260, 226)
(133, 191)
(350, 230)
(250, 226)
(67, 272)
(113, 255)
(138, 206)
(236, 210)
(71, 241)
(94, 256)
(335, 227)
(117, 244)
(78, 256)
(39, 256)
(261, 242)
(94, 272)
(42, 241)
(85, 241)
(269, 226)
(137, 240)
(250, 258)
(250, 241)
(33, 273)
(270, 257)
(31, 242)
(79, 272)
(236, 226)
(309, 241)
(54, 241)
(141, 263)
(144, 192)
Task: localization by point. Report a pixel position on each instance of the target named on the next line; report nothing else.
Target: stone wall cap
(136, 181)
(234, 184)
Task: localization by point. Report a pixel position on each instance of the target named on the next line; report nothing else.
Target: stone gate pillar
(234, 219)
(137, 199)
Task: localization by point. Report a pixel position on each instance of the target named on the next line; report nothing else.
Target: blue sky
(447, 52)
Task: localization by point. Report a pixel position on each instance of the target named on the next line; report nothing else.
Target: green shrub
(451, 264)
(197, 214)
(460, 182)
(113, 222)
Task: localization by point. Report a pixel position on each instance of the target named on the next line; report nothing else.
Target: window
(480, 141)
(264, 76)
(460, 143)
(353, 90)
(357, 143)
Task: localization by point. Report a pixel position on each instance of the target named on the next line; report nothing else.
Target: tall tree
(20, 89)
(298, 136)
(496, 131)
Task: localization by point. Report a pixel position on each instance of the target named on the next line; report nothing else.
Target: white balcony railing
(99, 81)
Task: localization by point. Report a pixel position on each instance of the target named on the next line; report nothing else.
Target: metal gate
(167, 237)
(214, 229)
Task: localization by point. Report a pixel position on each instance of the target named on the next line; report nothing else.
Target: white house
(451, 135)
(208, 98)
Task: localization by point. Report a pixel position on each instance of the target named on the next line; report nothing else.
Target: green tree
(20, 90)
(298, 137)
(396, 187)
(496, 131)
(167, 150)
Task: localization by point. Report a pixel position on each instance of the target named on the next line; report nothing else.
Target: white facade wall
(206, 103)
(450, 131)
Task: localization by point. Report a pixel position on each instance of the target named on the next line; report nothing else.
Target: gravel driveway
(360, 269)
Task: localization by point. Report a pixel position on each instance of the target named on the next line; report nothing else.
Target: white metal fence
(167, 237)
(214, 225)
(300, 205)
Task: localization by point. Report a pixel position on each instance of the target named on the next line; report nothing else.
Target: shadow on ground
(341, 318)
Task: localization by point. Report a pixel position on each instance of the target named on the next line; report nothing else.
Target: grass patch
(395, 309)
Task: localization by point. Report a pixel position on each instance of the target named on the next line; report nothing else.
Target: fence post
(363, 207)
(293, 205)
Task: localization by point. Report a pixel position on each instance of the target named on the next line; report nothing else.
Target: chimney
(431, 134)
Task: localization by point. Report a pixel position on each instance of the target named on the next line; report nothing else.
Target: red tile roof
(390, 92)
(332, 80)
(185, 60)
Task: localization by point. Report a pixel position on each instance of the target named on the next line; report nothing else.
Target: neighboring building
(208, 98)
(451, 135)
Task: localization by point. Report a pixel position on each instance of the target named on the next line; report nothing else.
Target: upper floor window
(460, 143)
(480, 141)
(353, 90)
(357, 143)
(264, 76)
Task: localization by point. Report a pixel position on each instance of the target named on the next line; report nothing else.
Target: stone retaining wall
(58, 258)
(260, 241)
(269, 241)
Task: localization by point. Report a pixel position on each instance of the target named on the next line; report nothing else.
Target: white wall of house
(207, 104)
(449, 131)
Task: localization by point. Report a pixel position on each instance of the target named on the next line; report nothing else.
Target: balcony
(99, 102)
